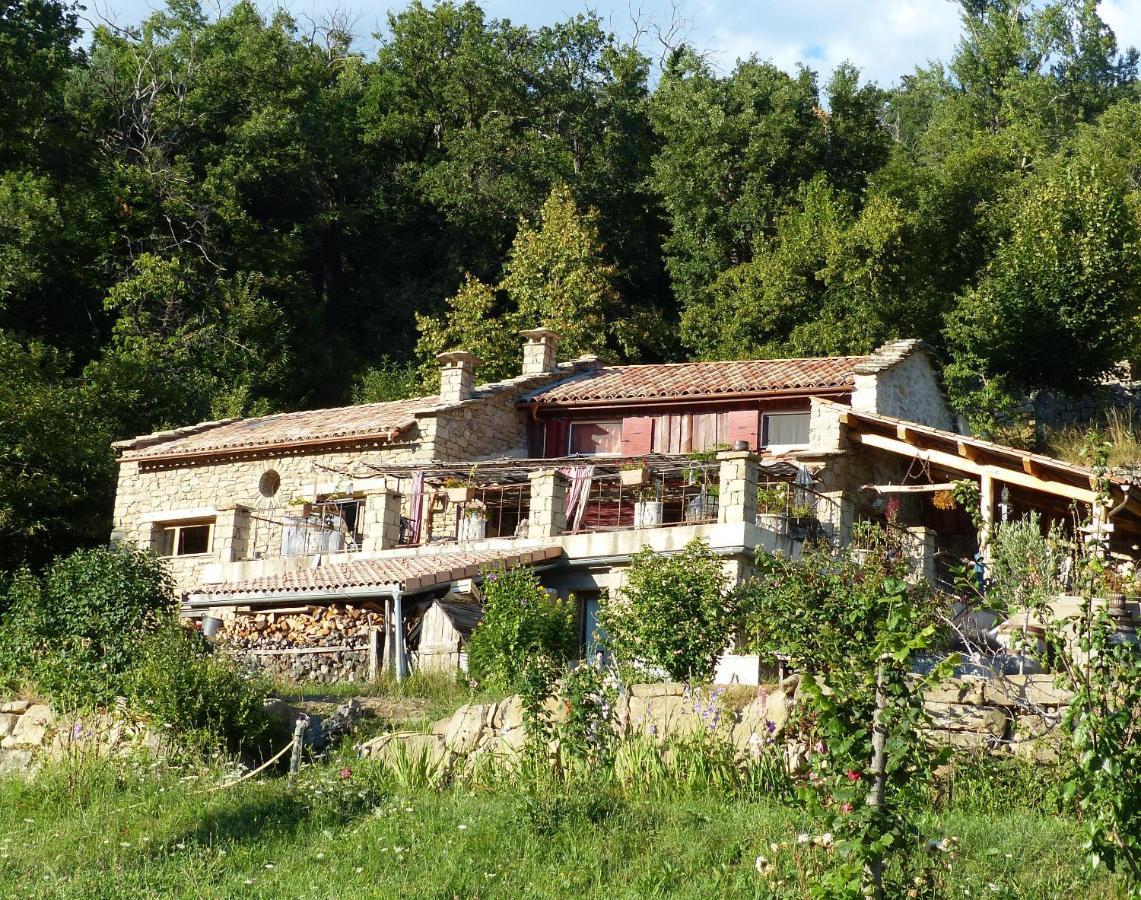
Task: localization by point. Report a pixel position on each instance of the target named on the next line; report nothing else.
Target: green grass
(104, 830)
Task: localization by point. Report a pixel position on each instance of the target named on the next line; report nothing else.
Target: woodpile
(307, 644)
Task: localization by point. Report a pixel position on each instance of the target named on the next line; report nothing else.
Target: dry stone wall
(1016, 715)
(31, 733)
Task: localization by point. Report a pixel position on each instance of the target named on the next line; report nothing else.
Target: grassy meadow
(353, 828)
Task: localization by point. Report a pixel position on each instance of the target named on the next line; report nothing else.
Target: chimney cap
(458, 358)
(539, 334)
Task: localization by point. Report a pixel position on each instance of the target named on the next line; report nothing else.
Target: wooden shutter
(555, 438)
(637, 435)
(743, 425)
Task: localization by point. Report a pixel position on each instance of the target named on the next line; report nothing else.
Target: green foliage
(820, 613)
(673, 614)
(521, 624)
(1026, 563)
(389, 380)
(77, 631)
(178, 679)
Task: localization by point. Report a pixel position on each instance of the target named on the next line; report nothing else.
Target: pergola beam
(961, 462)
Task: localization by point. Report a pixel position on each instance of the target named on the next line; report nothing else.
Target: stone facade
(900, 379)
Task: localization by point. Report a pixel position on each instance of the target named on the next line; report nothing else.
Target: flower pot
(647, 513)
(471, 528)
(634, 477)
(463, 493)
(773, 522)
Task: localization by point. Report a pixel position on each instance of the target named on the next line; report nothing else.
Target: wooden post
(986, 510)
(386, 662)
(299, 728)
(373, 653)
(877, 770)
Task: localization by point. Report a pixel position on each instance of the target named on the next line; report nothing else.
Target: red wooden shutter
(637, 435)
(555, 438)
(742, 425)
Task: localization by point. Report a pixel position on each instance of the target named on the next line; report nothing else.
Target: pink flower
(845, 807)
(346, 772)
(853, 775)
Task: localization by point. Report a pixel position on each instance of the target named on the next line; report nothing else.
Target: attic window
(186, 539)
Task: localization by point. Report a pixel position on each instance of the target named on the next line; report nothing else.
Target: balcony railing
(670, 493)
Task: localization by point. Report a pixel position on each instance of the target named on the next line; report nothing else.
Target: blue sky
(885, 38)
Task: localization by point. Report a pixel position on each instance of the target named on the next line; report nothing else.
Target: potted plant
(472, 524)
(634, 474)
(648, 508)
(299, 507)
(772, 500)
(461, 490)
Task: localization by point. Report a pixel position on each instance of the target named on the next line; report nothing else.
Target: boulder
(957, 690)
(960, 740)
(668, 689)
(755, 719)
(467, 728)
(7, 723)
(388, 747)
(17, 762)
(15, 706)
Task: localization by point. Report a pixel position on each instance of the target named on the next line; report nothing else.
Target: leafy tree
(672, 614)
(56, 467)
(1061, 286)
(556, 277)
(522, 627)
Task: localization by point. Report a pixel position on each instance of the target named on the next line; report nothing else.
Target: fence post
(373, 653)
(299, 728)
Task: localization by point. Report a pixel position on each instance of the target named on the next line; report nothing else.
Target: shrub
(76, 630)
(673, 613)
(521, 623)
(183, 684)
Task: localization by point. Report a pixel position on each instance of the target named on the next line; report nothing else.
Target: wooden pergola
(995, 464)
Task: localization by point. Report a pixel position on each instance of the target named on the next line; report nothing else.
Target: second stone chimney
(539, 351)
(457, 376)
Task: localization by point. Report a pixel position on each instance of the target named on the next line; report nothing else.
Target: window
(185, 539)
(785, 429)
(595, 438)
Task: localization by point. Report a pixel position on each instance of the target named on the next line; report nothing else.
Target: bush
(76, 630)
(521, 622)
(183, 684)
(673, 613)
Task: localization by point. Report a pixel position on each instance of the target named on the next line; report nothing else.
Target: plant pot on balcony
(463, 493)
(471, 528)
(647, 513)
(634, 477)
(774, 522)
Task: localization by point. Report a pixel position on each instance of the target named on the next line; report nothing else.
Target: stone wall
(30, 733)
(1015, 715)
(900, 379)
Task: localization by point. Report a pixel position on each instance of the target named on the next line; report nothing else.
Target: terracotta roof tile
(702, 379)
(409, 573)
(282, 429)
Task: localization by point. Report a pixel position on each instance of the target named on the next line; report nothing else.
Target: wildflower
(763, 866)
(770, 726)
(803, 838)
(845, 807)
(824, 840)
(462, 826)
(819, 747)
(942, 845)
(269, 865)
(358, 869)
(774, 847)
(853, 775)
(346, 772)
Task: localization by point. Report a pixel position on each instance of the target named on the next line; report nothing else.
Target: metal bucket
(210, 626)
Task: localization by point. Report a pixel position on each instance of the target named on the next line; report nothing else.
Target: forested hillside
(211, 216)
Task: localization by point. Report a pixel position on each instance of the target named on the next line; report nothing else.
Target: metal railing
(683, 493)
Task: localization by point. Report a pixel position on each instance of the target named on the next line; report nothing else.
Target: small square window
(190, 539)
(785, 429)
(595, 438)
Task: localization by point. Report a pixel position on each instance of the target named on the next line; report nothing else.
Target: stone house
(571, 468)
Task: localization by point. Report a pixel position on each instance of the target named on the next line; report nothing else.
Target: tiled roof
(385, 420)
(703, 379)
(408, 573)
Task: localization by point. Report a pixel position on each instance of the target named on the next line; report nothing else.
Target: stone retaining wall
(30, 733)
(1012, 715)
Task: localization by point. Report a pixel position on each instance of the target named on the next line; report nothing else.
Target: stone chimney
(539, 351)
(457, 376)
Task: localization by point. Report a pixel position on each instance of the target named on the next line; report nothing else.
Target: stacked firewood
(321, 643)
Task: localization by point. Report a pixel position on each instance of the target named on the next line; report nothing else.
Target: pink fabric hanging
(578, 493)
(416, 510)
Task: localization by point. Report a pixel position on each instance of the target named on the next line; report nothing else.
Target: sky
(884, 38)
